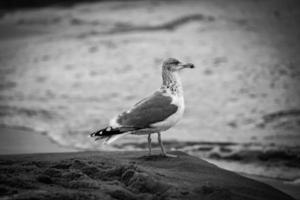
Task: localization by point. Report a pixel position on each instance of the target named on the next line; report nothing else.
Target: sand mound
(123, 175)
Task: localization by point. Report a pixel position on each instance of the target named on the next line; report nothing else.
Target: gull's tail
(109, 134)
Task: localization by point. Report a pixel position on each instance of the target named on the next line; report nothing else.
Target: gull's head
(173, 65)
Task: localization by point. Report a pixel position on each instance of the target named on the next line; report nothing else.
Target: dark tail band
(109, 132)
(106, 132)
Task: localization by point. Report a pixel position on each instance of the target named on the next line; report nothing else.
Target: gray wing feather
(154, 109)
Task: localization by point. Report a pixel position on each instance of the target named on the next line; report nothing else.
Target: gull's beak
(187, 65)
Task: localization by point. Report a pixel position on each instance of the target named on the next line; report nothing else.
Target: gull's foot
(169, 155)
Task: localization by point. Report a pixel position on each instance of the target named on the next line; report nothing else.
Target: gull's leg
(161, 144)
(162, 147)
(149, 144)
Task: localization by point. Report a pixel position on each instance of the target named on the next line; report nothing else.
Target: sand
(20, 141)
(284, 186)
(123, 175)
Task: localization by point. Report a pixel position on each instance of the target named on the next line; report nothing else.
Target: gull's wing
(153, 109)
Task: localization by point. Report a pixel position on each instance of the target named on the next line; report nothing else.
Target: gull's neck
(172, 82)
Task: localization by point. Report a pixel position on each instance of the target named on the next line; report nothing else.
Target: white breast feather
(173, 119)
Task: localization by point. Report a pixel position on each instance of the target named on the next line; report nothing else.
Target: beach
(67, 69)
(124, 175)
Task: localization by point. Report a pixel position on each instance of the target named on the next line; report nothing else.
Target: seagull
(153, 114)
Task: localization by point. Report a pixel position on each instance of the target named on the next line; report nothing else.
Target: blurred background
(67, 67)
